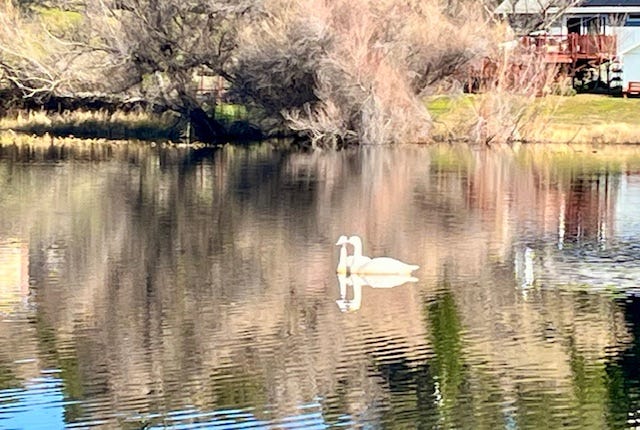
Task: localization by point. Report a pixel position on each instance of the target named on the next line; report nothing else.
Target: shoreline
(551, 120)
(579, 119)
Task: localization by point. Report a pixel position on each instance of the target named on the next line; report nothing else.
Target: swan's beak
(342, 240)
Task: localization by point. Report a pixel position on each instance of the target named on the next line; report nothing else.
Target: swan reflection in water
(356, 282)
(523, 267)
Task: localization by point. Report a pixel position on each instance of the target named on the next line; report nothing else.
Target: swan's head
(342, 240)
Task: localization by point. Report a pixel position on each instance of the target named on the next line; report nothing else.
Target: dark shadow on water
(623, 372)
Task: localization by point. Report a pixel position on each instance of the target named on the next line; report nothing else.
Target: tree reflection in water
(169, 286)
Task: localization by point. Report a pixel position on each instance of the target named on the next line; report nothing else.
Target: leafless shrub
(511, 78)
(156, 49)
(457, 33)
(159, 45)
(276, 62)
(127, 47)
(322, 70)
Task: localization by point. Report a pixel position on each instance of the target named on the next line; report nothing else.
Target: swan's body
(386, 281)
(357, 259)
(384, 266)
(362, 265)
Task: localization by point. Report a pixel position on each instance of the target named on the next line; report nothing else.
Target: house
(599, 40)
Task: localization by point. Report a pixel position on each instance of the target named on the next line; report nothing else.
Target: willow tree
(157, 47)
(151, 49)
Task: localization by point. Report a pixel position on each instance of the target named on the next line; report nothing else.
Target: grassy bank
(584, 118)
(93, 125)
(593, 119)
(581, 119)
(136, 125)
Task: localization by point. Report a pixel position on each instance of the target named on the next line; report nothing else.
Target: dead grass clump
(92, 124)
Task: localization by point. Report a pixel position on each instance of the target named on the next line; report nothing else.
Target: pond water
(166, 287)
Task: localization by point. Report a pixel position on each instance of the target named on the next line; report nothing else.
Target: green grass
(440, 107)
(585, 109)
(579, 109)
(584, 118)
(452, 116)
(230, 112)
(57, 19)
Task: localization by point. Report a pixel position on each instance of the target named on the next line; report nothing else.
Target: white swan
(362, 265)
(357, 259)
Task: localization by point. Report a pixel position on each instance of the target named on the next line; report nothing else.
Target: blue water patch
(40, 405)
(239, 419)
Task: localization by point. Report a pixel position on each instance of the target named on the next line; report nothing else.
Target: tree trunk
(205, 128)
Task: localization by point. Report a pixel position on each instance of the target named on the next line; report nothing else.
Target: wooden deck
(570, 48)
(578, 55)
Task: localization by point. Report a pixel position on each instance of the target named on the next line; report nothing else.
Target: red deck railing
(572, 47)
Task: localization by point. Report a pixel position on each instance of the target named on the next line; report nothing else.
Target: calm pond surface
(157, 287)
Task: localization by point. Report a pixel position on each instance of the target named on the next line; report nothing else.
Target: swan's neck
(357, 248)
(342, 262)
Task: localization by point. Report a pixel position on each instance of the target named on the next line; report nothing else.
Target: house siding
(628, 38)
(620, 18)
(628, 53)
(631, 67)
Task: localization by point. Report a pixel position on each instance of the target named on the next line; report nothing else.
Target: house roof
(537, 6)
(522, 6)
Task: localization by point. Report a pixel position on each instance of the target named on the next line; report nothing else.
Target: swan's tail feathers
(413, 267)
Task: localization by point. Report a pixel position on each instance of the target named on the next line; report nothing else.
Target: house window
(593, 25)
(573, 25)
(587, 24)
(633, 20)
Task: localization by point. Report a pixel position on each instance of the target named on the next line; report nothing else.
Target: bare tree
(33, 61)
(337, 76)
(157, 47)
(147, 48)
